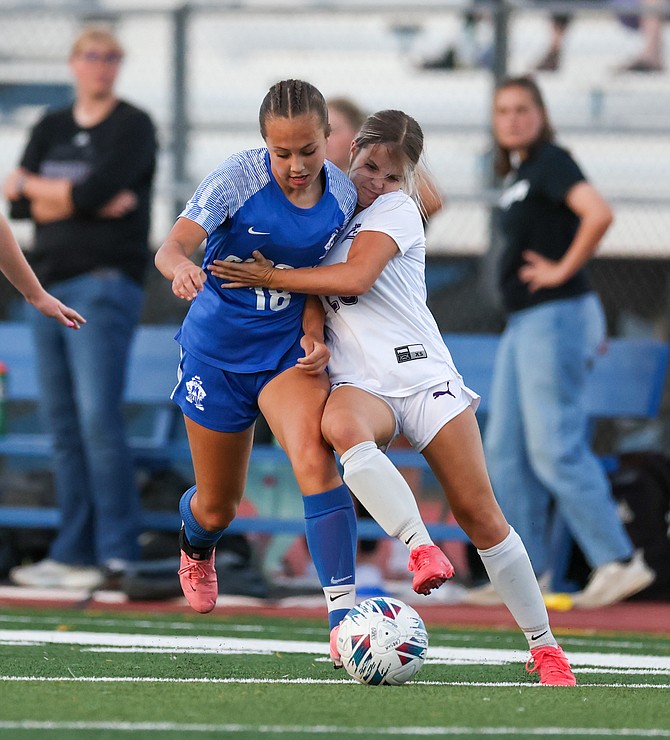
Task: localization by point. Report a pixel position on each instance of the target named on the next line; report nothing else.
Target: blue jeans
(82, 378)
(537, 433)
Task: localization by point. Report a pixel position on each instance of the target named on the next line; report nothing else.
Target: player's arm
(173, 258)
(369, 254)
(313, 343)
(16, 269)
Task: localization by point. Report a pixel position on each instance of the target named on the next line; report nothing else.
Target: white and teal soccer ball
(382, 641)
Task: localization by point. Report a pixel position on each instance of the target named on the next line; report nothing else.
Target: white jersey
(387, 340)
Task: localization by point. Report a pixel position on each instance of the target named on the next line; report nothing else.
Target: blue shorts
(222, 400)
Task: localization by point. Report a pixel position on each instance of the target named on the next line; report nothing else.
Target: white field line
(429, 661)
(96, 621)
(626, 671)
(293, 730)
(303, 681)
(218, 645)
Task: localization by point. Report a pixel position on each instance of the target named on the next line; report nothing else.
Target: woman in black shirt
(85, 181)
(551, 221)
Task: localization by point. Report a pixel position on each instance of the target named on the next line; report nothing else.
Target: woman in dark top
(85, 180)
(551, 221)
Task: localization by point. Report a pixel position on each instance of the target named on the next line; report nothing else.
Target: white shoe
(614, 582)
(52, 574)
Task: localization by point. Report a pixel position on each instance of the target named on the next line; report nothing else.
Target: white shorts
(421, 415)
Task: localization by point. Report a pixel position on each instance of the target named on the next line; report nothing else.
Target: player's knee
(214, 518)
(339, 430)
(485, 528)
(314, 468)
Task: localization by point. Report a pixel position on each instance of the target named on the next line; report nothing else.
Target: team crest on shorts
(195, 393)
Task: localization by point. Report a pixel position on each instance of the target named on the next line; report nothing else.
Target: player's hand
(244, 274)
(539, 272)
(54, 309)
(316, 356)
(188, 280)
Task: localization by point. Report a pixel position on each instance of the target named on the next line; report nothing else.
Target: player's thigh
(456, 457)
(292, 404)
(353, 415)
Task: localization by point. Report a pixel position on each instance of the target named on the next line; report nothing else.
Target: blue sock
(195, 534)
(330, 529)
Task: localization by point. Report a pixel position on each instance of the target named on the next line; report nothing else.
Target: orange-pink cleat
(197, 576)
(552, 666)
(334, 652)
(431, 568)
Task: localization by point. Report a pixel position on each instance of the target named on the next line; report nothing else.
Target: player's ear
(353, 152)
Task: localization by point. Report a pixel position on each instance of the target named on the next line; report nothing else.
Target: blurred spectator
(85, 180)
(466, 52)
(345, 118)
(537, 435)
(551, 59)
(650, 25)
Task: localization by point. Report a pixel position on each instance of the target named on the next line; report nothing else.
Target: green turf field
(72, 675)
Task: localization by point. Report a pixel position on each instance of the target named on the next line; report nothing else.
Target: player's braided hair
(291, 98)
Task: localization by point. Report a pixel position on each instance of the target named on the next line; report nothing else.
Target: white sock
(378, 485)
(340, 598)
(511, 574)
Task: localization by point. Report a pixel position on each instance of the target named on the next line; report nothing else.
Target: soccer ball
(382, 641)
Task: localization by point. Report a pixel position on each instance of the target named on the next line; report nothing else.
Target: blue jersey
(242, 208)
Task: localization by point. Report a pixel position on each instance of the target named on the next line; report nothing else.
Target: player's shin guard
(197, 537)
(330, 529)
(511, 574)
(380, 487)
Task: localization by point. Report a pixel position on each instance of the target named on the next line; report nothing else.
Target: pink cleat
(197, 576)
(334, 652)
(552, 665)
(431, 568)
